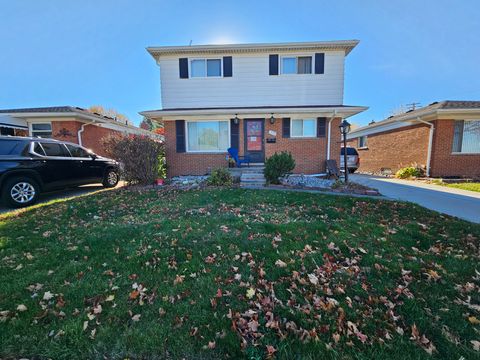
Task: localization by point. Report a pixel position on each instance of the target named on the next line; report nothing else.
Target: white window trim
(206, 76)
(30, 128)
(205, 151)
(365, 146)
(303, 136)
(296, 56)
(463, 133)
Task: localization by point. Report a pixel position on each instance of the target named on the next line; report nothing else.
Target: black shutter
(234, 134)
(273, 67)
(180, 131)
(321, 126)
(183, 68)
(227, 66)
(458, 136)
(319, 63)
(286, 127)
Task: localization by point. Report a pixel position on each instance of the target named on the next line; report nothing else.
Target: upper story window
(206, 67)
(303, 127)
(466, 137)
(43, 130)
(297, 65)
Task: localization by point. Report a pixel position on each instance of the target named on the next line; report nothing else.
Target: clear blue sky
(85, 52)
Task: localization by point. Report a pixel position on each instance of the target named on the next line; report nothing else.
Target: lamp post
(344, 130)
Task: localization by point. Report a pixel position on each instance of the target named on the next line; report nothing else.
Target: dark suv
(29, 166)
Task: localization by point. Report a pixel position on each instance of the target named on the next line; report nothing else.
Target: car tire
(20, 191)
(351, 171)
(111, 178)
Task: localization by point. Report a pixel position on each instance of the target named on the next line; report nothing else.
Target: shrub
(142, 158)
(409, 171)
(278, 165)
(220, 177)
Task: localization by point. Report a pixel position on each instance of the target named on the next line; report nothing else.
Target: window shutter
(234, 134)
(227, 66)
(321, 126)
(319, 63)
(273, 65)
(183, 68)
(180, 134)
(458, 136)
(286, 127)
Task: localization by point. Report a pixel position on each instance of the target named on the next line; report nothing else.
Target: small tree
(142, 158)
(278, 165)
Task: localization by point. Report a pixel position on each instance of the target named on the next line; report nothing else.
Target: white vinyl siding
(251, 84)
(466, 137)
(208, 136)
(303, 128)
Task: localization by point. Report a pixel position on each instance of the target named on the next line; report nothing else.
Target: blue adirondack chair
(239, 160)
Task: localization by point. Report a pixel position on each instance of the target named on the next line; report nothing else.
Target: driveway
(64, 194)
(460, 203)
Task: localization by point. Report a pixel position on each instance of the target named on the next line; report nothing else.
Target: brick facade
(92, 135)
(310, 154)
(393, 149)
(408, 145)
(444, 162)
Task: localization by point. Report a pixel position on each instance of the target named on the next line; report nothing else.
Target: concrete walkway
(460, 203)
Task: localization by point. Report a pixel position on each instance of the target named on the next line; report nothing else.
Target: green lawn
(465, 186)
(237, 274)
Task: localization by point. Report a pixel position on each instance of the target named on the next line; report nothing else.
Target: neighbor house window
(208, 136)
(43, 130)
(362, 142)
(297, 65)
(466, 137)
(206, 67)
(303, 128)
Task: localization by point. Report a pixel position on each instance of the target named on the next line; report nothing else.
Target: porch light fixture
(236, 120)
(272, 119)
(344, 130)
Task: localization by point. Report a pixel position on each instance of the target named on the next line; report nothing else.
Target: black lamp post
(345, 129)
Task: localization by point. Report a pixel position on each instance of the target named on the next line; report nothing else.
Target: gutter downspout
(430, 143)
(79, 133)
(330, 132)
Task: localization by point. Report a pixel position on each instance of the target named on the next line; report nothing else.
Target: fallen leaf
(250, 293)
(473, 320)
(280, 263)
(313, 279)
(110, 298)
(47, 295)
(136, 317)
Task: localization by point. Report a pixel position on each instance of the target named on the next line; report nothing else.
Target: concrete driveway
(460, 203)
(64, 194)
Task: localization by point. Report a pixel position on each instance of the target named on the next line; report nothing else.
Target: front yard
(472, 186)
(237, 273)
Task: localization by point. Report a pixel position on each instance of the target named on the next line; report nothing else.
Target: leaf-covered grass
(470, 186)
(237, 274)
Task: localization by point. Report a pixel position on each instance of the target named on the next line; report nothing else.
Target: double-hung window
(297, 65)
(466, 137)
(208, 136)
(362, 142)
(206, 67)
(303, 127)
(43, 130)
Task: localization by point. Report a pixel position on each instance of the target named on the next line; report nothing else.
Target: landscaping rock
(190, 181)
(307, 181)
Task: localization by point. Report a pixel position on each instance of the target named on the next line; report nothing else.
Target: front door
(254, 140)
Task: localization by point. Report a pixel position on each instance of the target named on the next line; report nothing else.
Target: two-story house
(258, 98)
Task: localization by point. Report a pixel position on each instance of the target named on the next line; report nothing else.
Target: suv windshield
(350, 151)
(11, 147)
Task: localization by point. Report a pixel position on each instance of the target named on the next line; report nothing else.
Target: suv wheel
(20, 191)
(111, 178)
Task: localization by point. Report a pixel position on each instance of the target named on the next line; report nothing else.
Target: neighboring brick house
(258, 98)
(443, 137)
(66, 123)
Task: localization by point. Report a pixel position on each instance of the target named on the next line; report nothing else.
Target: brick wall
(91, 136)
(394, 149)
(309, 154)
(446, 164)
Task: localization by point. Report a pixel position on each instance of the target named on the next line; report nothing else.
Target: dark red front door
(254, 139)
